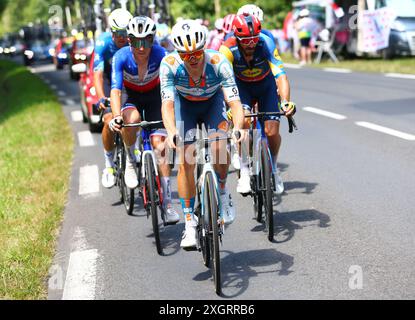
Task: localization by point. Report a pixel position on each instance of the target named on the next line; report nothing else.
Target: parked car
(62, 52)
(80, 53)
(89, 98)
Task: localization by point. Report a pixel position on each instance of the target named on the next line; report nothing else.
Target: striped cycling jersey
(266, 59)
(125, 70)
(217, 74)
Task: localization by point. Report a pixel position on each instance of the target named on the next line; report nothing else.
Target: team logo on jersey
(251, 73)
(186, 27)
(215, 59)
(170, 60)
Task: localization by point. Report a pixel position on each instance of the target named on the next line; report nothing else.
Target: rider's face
(194, 59)
(120, 39)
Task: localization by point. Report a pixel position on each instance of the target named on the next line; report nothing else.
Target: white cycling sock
(130, 153)
(244, 169)
(109, 158)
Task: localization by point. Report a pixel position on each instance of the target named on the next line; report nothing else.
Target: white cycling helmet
(219, 24)
(119, 19)
(252, 9)
(188, 36)
(141, 27)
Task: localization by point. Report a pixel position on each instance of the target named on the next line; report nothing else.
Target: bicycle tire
(212, 213)
(267, 191)
(150, 184)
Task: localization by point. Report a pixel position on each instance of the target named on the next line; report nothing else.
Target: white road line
(324, 113)
(337, 70)
(85, 139)
(400, 75)
(76, 116)
(61, 93)
(69, 102)
(292, 66)
(80, 280)
(88, 180)
(385, 130)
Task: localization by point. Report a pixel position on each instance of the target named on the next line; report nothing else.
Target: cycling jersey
(217, 74)
(266, 60)
(125, 70)
(105, 48)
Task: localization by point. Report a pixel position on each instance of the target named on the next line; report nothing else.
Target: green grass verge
(35, 160)
(398, 65)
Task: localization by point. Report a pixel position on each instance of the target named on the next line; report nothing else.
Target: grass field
(35, 159)
(398, 65)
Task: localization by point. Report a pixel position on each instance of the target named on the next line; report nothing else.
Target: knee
(272, 128)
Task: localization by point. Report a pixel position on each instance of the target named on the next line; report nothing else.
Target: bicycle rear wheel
(151, 196)
(266, 191)
(211, 205)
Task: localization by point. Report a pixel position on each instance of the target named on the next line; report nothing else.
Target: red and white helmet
(246, 26)
(228, 23)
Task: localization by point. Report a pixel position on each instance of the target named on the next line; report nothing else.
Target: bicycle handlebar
(142, 124)
(291, 122)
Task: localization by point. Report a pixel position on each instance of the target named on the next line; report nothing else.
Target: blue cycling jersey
(217, 74)
(105, 48)
(125, 70)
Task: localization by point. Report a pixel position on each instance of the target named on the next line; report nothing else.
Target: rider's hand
(289, 108)
(115, 123)
(172, 140)
(239, 135)
(102, 103)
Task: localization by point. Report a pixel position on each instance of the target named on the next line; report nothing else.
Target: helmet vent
(189, 41)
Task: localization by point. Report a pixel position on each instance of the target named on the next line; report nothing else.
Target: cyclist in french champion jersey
(137, 67)
(194, 85)
(258, 75)
(105, 48)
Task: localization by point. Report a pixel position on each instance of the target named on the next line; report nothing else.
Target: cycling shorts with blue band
(104, 50)
(144, 94)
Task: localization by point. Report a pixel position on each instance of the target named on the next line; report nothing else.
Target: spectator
(304, 26)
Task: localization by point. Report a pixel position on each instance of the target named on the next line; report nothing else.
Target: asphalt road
(345, 228)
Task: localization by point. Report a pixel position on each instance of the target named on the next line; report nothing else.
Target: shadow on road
(238, 268)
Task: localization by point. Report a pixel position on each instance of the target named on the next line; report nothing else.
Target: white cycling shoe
(235, 160)
(130, 176)
(244, 184)
(279, 184)
(171, 215)
(228, 210)
(189, 240)
(108, 177)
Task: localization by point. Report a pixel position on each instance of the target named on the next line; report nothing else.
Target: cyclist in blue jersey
(105, 48)
(258, 75)
(191, 82)
(136, 68)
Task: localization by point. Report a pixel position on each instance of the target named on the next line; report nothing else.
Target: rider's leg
(130, 114)
(159, 147)
(108, 177)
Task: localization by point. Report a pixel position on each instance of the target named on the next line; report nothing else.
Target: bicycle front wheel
(150, 185)
(211, 205)
(266, 191)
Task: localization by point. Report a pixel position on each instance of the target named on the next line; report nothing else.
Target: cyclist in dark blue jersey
(105, 48)
(136, 68)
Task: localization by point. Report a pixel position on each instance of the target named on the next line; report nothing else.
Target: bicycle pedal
(246, 194)
(190, 248)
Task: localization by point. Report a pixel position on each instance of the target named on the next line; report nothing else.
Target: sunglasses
(196, 55)
(120, 33)
(141, 42)
(246, 41)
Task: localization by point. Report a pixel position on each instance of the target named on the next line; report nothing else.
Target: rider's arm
(99, 68)
(277, 68)
(116, 84)
(167, 97)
